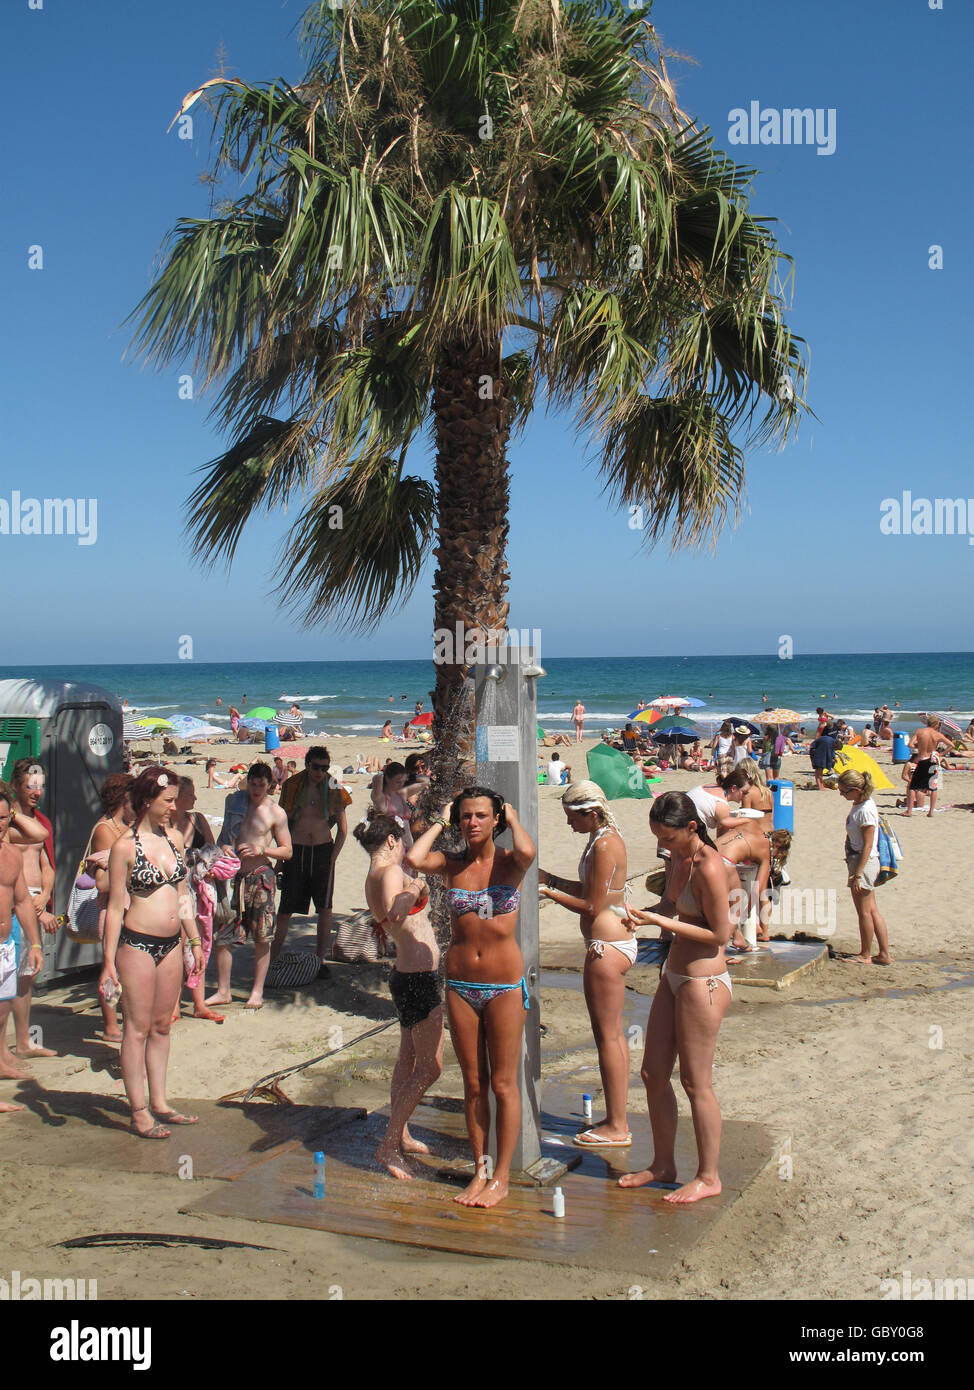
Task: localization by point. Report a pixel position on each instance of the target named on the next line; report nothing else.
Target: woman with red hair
(142, 955)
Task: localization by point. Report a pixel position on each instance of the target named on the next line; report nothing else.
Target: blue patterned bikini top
(486, 902)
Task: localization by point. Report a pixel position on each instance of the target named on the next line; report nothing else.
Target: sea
(349, 698)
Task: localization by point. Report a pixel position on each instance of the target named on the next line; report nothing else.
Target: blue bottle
(319, 1175)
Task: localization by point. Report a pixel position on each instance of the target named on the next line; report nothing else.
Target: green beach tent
(616, 773)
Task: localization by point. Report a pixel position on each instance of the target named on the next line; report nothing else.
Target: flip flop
(172, 1117)
(586, 1139)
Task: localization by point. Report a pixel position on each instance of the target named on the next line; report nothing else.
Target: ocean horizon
(349, 698)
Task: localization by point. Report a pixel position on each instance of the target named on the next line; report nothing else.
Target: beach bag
(359, 938)
(84, 918)
(890, 852)
(292, 969)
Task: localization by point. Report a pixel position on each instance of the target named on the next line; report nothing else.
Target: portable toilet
(75, 732)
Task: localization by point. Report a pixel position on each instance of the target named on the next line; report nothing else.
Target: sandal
(156, 1132)
(208, 1014)
(173, 1117)
(585, 1139)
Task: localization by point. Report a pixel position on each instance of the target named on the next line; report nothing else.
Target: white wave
(308, 699)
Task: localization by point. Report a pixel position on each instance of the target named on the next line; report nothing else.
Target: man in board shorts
(315, 806)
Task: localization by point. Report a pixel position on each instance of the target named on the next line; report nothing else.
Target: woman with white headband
(597, 896)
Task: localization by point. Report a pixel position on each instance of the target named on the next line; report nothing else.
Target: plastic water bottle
(320, 1175)
(558, 1203)
(586, 1106)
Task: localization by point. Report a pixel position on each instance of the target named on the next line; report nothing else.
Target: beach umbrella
(616, 773)
(541, 732)
(694, 703)
(422, 720)
(779, 716)
(263, 712)
(646, 716)
(674, 733)
(190, 726)
(948, 723)
(669, 702)
(153, 724)
(738, 719)
(252, 722)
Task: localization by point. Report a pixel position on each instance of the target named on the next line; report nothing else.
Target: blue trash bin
(272, 740)
(784, 804)
(901, 748)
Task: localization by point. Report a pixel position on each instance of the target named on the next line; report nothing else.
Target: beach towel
(889, 850)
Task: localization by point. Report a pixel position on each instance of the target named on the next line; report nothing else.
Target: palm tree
(464, 205)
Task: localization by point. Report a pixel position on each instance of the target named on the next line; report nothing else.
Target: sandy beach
(865, 1070)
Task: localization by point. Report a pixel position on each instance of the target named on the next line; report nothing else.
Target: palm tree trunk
(473, 495)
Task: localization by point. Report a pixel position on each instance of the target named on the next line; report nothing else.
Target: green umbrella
(541, 732)
(616, 773)
(263, 712)
(153, 723)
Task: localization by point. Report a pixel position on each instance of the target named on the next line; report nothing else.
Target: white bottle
(558, 1203)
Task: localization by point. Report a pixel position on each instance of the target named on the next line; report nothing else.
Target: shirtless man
(926, 742)
(28, 786)
(260, 839)
(398, 903)
(314, 805)
(14, 898)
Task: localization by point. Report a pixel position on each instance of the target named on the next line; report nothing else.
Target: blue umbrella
(694, 703)
(674, 733)
(264, 724)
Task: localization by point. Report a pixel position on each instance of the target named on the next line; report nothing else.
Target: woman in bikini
(398, 903)
(487, 993)
(693, 995)
(597, 896)
(748, 843)
(116, 817)
(389, 797)
(743, 788)
(141, 946)
(195, 833)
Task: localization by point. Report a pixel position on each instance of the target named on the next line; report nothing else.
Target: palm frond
(676, 459)
(355, 553)
(261, 469)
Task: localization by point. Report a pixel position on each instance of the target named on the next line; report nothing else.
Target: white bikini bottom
(628, 947)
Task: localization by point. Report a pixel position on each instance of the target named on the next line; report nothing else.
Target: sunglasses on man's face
(318, 767)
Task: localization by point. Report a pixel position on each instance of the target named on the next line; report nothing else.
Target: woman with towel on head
(597, 897)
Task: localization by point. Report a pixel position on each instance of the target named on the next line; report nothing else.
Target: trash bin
(272, 740)
(75, 732)
(901, 748)
(784, 804)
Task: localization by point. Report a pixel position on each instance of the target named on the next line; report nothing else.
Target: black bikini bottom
(158, 947)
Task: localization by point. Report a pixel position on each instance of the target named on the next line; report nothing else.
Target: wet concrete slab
(778, 964)
(605, 1227)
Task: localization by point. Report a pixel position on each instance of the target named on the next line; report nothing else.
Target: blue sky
(93, 178)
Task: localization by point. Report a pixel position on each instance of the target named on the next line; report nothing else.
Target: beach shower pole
(507, 734)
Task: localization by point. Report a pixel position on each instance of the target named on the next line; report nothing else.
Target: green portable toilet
(75, 732)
